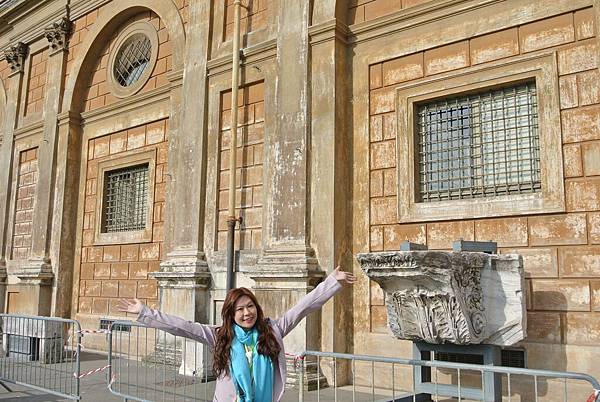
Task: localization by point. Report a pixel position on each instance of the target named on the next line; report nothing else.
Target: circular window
(132, 59)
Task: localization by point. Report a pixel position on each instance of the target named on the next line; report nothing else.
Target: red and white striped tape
(91, 372)
(94, 331)
(594, 396)
(297, 359)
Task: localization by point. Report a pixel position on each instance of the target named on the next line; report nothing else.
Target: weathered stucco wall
(559, 250)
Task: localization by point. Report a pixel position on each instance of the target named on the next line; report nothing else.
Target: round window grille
(132, 59)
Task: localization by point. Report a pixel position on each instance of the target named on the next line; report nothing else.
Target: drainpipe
(231, 218)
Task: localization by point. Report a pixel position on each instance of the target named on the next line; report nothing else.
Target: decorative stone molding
(451, 297)
(183, 270)
(15, 56)
(280, 266)
(59, 34)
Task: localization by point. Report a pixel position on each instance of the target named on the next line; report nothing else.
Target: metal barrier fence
(384, 378)
(146, 364)
(42, 353)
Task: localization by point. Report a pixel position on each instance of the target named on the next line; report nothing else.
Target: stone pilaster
(41, 267)
(184, 277)
(286, 231)
(64, 212)
(331, 172)
(288, 268)
(15, 55)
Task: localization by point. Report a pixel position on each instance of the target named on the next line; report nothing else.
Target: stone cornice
(29, 130)
(35, 29)
(82, 7)
(175, 77)
(137, 101)
(69, 117)
(327, 31)
(411, 17)
(251, 55)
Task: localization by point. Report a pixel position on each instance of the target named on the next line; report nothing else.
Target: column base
(36, 288)
(313, 378)
(183, 281)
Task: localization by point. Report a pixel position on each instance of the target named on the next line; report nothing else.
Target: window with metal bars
(479, 145)
(132, 59)
(125, 199)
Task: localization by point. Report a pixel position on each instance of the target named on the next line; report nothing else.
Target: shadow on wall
(545, 355)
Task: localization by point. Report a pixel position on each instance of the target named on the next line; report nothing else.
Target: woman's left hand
(343, 277)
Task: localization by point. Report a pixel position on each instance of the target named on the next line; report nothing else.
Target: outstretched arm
(169, 323)
(315, 299)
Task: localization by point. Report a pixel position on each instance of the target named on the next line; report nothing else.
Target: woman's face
(245, 312)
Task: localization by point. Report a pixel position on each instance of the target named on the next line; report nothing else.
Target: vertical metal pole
(231, 218)
(301, 391)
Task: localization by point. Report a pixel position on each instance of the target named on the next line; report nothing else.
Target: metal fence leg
(5, 387)
(492, 355)
(301, 390)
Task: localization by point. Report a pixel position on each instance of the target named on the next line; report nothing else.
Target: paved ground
(156, 384)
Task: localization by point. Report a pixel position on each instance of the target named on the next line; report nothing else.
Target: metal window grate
(514, 358)
(125, 199)
(132, 59)
(509, 358)
(479, 145)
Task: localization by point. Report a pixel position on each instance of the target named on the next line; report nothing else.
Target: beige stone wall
(25, 198)
(110, 272)
(249, 162)
(81, 26)
(560, 251)
(36, 85)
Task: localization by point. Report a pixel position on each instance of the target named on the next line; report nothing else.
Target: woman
(249, 356)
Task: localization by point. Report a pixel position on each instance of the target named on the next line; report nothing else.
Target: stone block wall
(81, 27)
(253, 16)
(25, 199)
(36, 84)
(110, 272)
(249, 162)
(561, 252)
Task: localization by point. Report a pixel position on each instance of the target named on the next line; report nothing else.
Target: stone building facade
(345, 145)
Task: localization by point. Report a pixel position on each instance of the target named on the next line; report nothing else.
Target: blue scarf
(256, 384)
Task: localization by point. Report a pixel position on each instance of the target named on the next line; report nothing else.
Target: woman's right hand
(133, 306)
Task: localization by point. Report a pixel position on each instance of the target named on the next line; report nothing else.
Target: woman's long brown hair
(267, 344)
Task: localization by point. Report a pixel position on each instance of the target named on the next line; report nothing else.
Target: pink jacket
(225, 390)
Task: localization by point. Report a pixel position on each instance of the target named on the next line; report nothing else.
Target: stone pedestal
(183, 291)
(35, 287)
(285, 276)
(451, 297)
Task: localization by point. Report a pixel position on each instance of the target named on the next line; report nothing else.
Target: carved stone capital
(58, 34)
(15, 56)
(451, 297)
